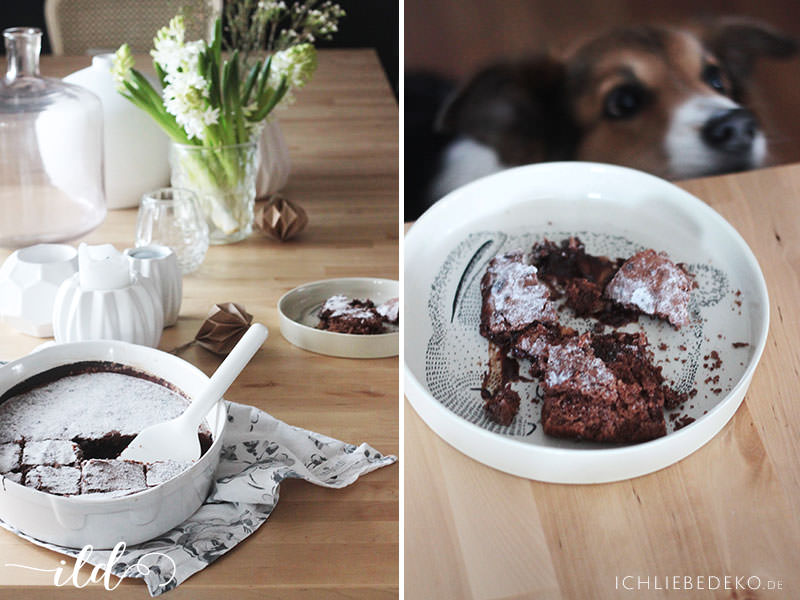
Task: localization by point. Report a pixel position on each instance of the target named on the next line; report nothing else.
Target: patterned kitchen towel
(258, 453)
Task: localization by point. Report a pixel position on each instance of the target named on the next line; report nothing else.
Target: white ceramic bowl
(75, 521)
(615, 211)
(298, 310)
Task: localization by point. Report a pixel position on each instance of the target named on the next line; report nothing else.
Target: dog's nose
(732, 131)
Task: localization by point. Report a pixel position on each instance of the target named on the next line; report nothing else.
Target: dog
(670, 101)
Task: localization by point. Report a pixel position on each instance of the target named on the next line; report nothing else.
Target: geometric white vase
(29, 281)
(132, 314)
(160, 265)
(275, 167)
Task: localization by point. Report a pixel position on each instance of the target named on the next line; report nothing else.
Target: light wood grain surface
(319, 543)
(731, 508)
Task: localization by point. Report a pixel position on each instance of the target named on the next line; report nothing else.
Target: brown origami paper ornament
(225, 325)
(281, 218)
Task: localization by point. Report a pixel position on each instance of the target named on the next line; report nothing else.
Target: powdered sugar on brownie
(87, 405)
(9, 457)
(513, 296)
(341, 306)
(54, 480)
(652, 283)
(161, 471)
(573, 366)
(50, 452)
(390, 310)
(102, 475)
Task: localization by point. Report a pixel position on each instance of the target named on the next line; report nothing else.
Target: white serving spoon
(177, 439)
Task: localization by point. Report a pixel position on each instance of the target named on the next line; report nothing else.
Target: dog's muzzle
(731, 132)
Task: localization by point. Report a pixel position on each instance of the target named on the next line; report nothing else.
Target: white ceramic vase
(160, 265)
(275, 167)
(131, 314)
(104, 301)
(29, 282)
(135, 148)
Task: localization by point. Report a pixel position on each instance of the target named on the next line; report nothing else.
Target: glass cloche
(51, 151)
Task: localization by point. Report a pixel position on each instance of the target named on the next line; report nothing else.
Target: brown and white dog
(665, 100)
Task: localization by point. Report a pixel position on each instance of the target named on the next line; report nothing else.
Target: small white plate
(298, 310)
(616, 212)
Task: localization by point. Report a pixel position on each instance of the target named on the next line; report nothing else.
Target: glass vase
(224, 179)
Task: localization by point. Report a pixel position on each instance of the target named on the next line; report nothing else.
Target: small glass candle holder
(171, 217)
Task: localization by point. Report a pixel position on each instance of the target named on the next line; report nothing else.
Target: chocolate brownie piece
(585, 399)
(111, 475)
(161, 471)
(503, 405)
(50, 452)
(9, 457)
(580, 278)
(513, 298)
(629, 356)
(390, 311)
(534, 344)
(654, 285)
(341, 315)
(64, 481)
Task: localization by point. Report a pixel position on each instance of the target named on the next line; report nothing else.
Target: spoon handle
(225, 374)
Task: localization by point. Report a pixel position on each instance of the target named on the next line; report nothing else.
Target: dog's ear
(519, 109)
(738, 42)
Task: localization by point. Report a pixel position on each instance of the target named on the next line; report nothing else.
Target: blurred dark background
(456, 38)
(368, 24)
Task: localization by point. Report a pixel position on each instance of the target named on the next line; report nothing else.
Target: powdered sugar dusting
(9, 457)
(102, 475)
(50, 452)
(574, 363)
(88, 405)
(54, 480)
(161, 471)
(516, 296)
(390, 310)
(655, 285)
(339, 306)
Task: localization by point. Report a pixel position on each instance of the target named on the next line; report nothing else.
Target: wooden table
(731, 508)
(319, 543)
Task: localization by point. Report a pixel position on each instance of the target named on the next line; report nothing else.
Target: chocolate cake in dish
(513, 298)
(651, 283)
(157, 473)
(61, 431)
(342, 315)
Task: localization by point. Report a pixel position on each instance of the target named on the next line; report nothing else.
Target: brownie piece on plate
(503, 405)
(64, 481)
(341, 315)
(513, 298)
(584, 399)
(111, 475)
(9, 457)
(50, 452)
(161, 471)
(651, 283)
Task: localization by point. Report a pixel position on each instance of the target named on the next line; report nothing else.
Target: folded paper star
(225, 325)
(281, 218)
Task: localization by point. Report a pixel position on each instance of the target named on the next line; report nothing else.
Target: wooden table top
(319, 543)
(731, 508)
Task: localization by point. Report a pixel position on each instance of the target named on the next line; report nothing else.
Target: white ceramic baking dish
(103, 522)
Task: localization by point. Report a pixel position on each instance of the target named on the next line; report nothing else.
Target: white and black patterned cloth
(258, 453)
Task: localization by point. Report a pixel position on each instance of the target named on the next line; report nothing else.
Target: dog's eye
(624, 101)
(712, 75)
